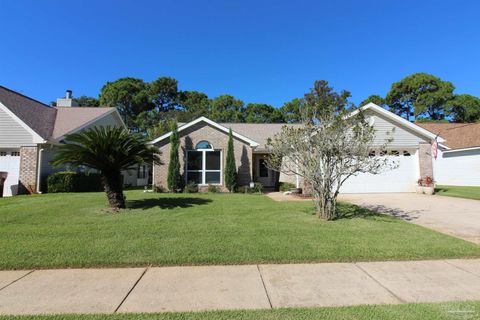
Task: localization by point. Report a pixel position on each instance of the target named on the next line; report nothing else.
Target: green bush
(242, 189)
(73, 182)
(213, 188)
(257, 188)
(286, 186)
(191, 187)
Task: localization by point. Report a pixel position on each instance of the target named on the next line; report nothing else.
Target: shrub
(230, 167)
(174, 178)
(257, 188)
(242, 189)
(191, 187)
(73, 182)
(286, 186)
(213, 188)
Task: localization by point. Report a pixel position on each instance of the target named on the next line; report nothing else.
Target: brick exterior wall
(219, 140)
(425, 160)
(28, 170)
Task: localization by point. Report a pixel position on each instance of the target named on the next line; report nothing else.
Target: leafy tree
(164, 97)
(174, 178)
(428, 120)
(333, 145)
(85, 101)
(160, 128)
(420, 94)
(261, 113)
(226, 108)
(109, 150)
(194, 105)
(375, 98)
(163, 93)
(129, 96)
(291, 111)
(230, 167)
(464, 108)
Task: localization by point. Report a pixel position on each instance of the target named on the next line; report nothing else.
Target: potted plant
(428, 185)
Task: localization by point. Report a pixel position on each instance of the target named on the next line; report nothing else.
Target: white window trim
(204, 167)
(213, 124)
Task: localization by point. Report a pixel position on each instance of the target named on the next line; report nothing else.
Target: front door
(264, 175)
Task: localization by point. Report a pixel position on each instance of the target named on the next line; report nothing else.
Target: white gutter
(39, 170)
(463, 149)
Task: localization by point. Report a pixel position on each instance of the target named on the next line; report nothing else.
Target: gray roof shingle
(456, 135)
(38, 116)
(258, 132)
(48, 122)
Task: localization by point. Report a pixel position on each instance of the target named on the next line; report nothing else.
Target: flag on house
(435, 148)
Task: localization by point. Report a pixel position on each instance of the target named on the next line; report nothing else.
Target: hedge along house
(30, 131)
(203, 146)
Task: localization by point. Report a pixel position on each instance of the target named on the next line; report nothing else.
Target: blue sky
(258, 51)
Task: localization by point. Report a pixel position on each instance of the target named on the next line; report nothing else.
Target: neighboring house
(458, 160)
(204, 145)
(30, 132)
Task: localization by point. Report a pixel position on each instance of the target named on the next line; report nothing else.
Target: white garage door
(10, 162)
(401, 179)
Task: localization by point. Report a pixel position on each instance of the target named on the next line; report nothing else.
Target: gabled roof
(456, 135)
(256, 134)
(36, 115)
(214, 124)
(401, 121)
(50, 123)
(260, 132)
(72, 119)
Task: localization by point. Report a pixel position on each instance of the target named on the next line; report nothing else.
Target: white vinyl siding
(461, 168)
(402, 137)
(12, 134)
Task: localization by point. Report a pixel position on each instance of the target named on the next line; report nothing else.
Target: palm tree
(109, 150)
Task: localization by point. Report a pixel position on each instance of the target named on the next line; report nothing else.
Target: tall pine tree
(174, 179)
(230, 167)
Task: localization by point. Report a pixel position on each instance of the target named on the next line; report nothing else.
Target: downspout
(39, 171)
(153, 176)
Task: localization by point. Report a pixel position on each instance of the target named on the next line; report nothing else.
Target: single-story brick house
(458, 160)
(204, 143)
(30, 131)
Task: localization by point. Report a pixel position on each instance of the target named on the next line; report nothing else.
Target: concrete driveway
(454, 216)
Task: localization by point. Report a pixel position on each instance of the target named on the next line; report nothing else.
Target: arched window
(203, 145)
(204, 164)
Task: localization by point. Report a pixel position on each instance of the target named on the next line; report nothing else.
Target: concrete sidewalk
(237, 287)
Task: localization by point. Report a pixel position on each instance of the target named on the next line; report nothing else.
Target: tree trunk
(112, 184)
(325, 206)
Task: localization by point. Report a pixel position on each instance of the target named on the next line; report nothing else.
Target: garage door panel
(10, 163)
(400, 179)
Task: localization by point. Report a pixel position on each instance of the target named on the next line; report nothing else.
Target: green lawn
(430, 311)
(459, 192)
(75, 230)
